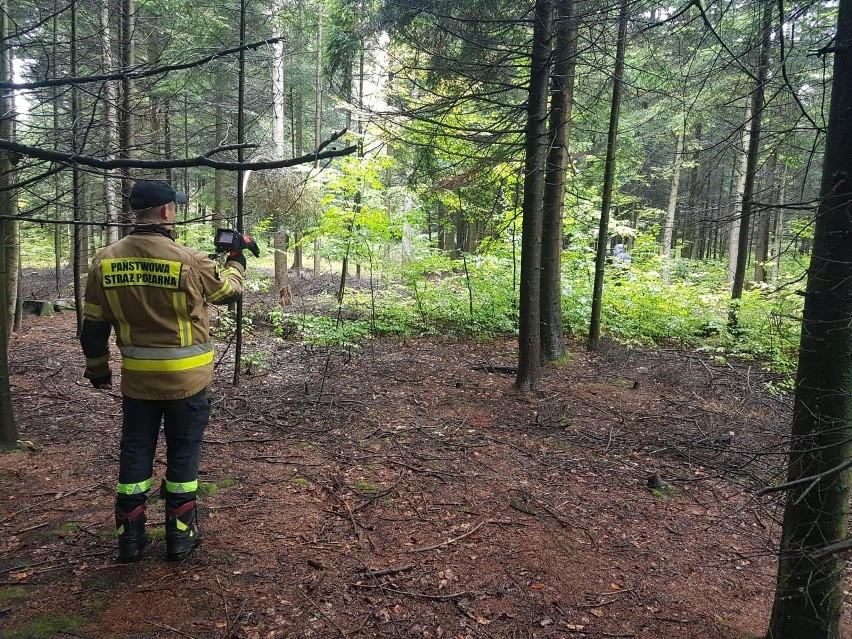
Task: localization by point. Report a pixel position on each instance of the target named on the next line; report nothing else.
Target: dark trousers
(184, 421)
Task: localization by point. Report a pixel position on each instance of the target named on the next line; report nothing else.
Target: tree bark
(561, 102)
(8, 207)
(809, 595)
(126, 120)
(737, 212)
(609, 178)
(779, 228)
(757, 103)
(671, 209)
(535, 135)
(111, 125)
(319, 87)
(761, 243)
(218, 196)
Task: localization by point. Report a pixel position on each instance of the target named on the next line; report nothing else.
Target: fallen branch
(449, 541)
(420, 595)
(393, 570)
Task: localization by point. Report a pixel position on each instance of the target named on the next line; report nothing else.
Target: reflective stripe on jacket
(155, 293)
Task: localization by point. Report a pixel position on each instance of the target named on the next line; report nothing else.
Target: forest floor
(403, 489)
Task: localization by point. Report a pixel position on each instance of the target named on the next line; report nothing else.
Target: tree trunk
(535, 136)
(761, 245)
(111, 125)
(694, 240)
(318, 72)
(561, 99)
(317, 257)
(126, 124)
(737, 212)
(779, 228)
(281, 242)
(8, 207)
(753, 147)
(809, 595)
(242, 177)
(671, 209)
(297, 252)
(609, 178)
(277, 66)
(218, 176)
(165, 110)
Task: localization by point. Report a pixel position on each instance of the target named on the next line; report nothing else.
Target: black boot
(131, 534)
(182, 533)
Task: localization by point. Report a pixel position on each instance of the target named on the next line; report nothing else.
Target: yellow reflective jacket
(155, 293)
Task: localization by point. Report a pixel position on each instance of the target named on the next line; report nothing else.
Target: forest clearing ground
(404, 490)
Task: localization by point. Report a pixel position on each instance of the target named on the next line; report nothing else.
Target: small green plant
(366, 486)
(300, 482)
(255, 363)
(225, 326)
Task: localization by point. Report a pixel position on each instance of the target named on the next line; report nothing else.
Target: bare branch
(812, 479)
(200, 160)
(130, 74)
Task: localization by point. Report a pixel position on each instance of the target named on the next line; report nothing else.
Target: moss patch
(12, 592)
(45, 626)
(212, 487)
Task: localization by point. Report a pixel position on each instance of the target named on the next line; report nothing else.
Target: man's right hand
(251, 245)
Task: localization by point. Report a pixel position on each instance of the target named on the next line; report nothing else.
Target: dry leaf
(536, 585)
(597, 612)
(615, 586)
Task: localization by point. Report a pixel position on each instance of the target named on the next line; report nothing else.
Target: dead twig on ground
(324, 615)
(449, 541)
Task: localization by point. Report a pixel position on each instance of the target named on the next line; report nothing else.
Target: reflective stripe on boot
(130, 528)
(182, 533)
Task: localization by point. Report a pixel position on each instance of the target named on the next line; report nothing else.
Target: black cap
(150, 193)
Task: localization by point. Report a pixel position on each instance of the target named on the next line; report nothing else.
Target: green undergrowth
(477, 299)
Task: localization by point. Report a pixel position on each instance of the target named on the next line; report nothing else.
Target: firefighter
(154, 293)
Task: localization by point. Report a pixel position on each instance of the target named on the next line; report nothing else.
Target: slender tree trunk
(126, 123)
(757, 104)
(281, 239)
(561, 101)
(737, 213)
(297, 252)
(535, 135)
(57, 193)
(111, 125)
(779, 228)
(241, 181)
(317, 257)
(218, 176)
(165, 110)
(809, 598)
(8, 208)
(319, 87)
(78, 253)
(609, 178)
(761, 245)
(281, 243)
(671, 209)
(695, 233)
